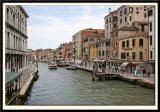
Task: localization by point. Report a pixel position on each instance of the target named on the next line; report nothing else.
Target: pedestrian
(144, 73)
(135, 71)
(138, 72)
(148, 73)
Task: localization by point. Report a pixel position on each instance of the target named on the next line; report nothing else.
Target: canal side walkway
(129, 77)
(26, 81)
(26, 74)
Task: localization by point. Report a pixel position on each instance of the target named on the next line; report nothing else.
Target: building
(16, 39)
(88, 39)
(77, 40)
(133, 51)
(127, 14)
(151, 38)
(68, 53)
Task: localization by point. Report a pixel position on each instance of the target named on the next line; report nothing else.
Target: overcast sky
(51, 25)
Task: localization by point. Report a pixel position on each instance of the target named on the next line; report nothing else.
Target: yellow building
(133, 51)
(93, 51)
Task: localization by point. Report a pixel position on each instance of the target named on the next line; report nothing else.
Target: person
(135, 73)
(138, 72)
(13, 69)
(148, 73)
(144, 73)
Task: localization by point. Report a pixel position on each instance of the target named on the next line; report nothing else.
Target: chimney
(109, 10)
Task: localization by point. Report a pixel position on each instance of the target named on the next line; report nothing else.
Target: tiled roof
(134, 35)
(128, 28)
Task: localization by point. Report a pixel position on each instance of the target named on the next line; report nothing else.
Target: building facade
(16, 39)
(133, 51)
(68, 52)
(151, 38)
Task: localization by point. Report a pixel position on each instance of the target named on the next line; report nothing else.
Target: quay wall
(130, 80)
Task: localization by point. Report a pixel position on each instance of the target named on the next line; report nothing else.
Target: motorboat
(52, 65)
(71, 67)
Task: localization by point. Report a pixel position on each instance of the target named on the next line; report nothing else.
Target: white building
(16, 38)
(151, 37)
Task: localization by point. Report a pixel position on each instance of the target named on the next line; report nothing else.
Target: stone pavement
(26, 74)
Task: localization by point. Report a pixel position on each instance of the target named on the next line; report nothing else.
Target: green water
(75, 87)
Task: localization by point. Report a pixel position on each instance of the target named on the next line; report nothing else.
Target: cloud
(55, 29)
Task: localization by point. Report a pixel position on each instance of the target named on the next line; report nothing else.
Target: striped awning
(124, 64)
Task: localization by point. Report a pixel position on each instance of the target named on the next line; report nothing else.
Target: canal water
(75, 87)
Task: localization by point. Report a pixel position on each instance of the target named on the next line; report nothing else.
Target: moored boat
(71, 67)
(52, 65)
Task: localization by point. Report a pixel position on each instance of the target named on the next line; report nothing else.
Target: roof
(115, 11)
(23, 11)
(11, 76)
(134, 35)
(128, 28)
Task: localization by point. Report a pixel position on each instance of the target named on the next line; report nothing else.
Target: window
(130, 9)
(91, 39)
(114, 25)
(123, 44)
(107, 27)
(123, 55)
(120, 21)
(151, 54)
(127, 43)
(145, 15)
(141, 55)
(141, 42)
(130, 18)
(125, 19)
(144, 8)
(107, 21)
(121, 13)
(150, 12)
(127, 54)
(133, 55)
(150, 24)
(137, 10)
(150, 40)
(125, 10)
(99, 53)
(108, 43)
(102, 53)
(133, 42)
(7, 15)
(110, 19)
(114, 18)
(116, 34)
(142, 28)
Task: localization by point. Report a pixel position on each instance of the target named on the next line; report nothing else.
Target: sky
(51, 25)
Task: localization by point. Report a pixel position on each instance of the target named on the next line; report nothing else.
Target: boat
(52, 65)
(71, 67)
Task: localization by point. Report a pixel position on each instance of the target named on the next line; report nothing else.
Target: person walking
(148, 73)
(138, 73)
(135, 71)
(144, 73)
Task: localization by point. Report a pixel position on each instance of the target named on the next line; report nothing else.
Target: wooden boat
(52, 65)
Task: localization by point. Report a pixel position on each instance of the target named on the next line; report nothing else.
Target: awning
(11, 76)
(124, 64)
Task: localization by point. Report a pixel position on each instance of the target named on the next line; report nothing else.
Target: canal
(75, 87)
